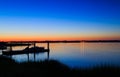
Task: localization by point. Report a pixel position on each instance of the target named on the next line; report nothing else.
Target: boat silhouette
(27, 50)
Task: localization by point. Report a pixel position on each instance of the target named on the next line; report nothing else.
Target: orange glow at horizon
(42, 38)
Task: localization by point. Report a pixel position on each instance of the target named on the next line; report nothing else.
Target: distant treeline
(101, 41)
(57, 41)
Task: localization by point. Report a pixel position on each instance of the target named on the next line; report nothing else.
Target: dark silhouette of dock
(25, 51)
(34, 49)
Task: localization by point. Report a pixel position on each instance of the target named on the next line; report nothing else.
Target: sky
(59, 20)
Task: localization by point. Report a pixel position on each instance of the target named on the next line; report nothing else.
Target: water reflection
(87, 54)
(30, 57)
(77, 54)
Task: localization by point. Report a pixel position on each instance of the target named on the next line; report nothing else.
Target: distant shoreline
(66, 41)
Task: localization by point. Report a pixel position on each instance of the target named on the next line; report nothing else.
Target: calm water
(78, 54)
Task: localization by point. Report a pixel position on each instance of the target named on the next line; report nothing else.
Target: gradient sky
(59, 19)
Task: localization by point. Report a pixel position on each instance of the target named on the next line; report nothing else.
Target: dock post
(10, 48)
(28, 57)
(48, 55)
(34, 51)
(28, 47)
(10, 51)
(28, 53)
(34, 44)
(48, 46)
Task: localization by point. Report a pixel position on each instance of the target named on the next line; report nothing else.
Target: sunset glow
(35, 20)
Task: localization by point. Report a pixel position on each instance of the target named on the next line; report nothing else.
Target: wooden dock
(26, 51)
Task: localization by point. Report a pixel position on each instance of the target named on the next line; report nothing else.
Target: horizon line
(57, 40)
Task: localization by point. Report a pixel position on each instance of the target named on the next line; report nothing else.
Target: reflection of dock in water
(34, 49)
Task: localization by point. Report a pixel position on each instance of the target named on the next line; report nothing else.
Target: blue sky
(59, 19)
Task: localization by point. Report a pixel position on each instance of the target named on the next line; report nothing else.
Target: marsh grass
(52, 68)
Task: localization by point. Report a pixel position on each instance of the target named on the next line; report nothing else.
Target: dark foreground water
(83, 55)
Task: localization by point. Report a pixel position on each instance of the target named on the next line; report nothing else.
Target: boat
(3, 45)
(27, 50)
